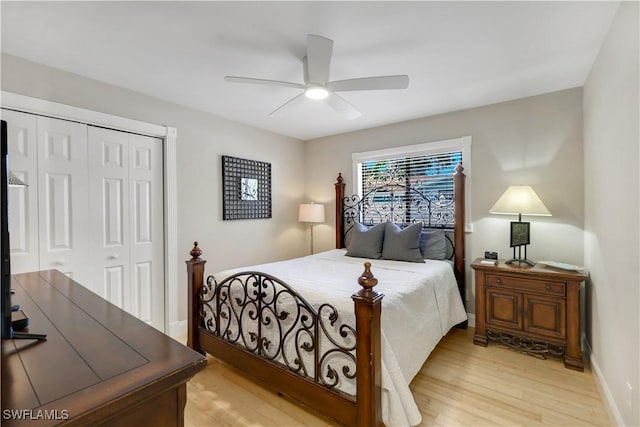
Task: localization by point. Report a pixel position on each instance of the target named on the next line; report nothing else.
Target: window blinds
(431, 175)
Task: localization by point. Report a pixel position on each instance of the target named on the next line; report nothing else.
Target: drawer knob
(498, 280)
(548, 287)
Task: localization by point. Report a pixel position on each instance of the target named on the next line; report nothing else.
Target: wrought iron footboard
(266, 317)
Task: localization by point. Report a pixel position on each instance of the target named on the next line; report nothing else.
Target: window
(410, 175)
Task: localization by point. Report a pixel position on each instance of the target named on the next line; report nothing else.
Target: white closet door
(93, 209)
(23, 201)
(108, 154)
(126, 211)
(147, 229)
(63, 197)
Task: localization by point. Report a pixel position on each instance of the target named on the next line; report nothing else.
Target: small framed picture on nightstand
(519, 233)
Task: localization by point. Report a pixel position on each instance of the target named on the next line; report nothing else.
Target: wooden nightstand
(535, 309)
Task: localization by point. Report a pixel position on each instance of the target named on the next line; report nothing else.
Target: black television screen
(5, 291)
(4, 231)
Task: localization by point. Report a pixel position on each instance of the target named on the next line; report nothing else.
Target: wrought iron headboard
(395, 197)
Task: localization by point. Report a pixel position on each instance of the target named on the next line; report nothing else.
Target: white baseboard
(177, 329)
(602, 384)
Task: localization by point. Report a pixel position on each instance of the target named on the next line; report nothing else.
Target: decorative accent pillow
(433, 244)
(402, 244)
(366, 242)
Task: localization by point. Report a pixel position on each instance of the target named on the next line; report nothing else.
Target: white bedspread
(421, 303)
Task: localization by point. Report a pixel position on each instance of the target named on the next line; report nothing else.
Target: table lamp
(312, 213)
(520, 200)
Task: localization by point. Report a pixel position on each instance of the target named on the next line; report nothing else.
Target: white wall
(536, 140)
(612, 241)
(202, 139)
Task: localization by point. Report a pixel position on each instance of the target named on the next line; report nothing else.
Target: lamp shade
(520, 199)
(311, 212)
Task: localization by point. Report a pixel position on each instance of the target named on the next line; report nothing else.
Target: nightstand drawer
(542, 286)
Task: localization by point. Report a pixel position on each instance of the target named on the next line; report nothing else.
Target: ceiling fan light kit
(316, 92)
(315, 67)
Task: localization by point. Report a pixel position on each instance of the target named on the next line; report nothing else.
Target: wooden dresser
(99, 366)
(535, 309)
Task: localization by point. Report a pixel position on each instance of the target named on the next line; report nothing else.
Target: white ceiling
(457, 54)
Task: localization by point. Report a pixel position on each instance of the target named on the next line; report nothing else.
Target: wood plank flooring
(460, 385)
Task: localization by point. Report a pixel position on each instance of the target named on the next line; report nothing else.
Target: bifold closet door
(23, 201)
(93, 209)
(126, 207)
(63, 198)
(146, 189)
(108, 208)
(48, 218)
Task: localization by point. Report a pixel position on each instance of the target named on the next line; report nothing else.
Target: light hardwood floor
(460, 385)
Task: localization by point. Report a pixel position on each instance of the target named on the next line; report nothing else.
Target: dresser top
(538, 270)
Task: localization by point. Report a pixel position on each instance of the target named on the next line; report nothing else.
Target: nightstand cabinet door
(545, 316)
(504, 308)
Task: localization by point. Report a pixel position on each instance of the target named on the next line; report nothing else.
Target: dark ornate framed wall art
(246, 189)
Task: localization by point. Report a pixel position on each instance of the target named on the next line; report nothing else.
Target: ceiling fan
(315, 66)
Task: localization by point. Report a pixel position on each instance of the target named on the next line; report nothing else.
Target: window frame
(462, 144)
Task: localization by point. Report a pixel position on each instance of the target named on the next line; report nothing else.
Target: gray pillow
(433, 244)
(366, 242)
(402, 244)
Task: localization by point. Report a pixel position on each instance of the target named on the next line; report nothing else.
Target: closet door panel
(147, 230)
(58, 211)
(109, 212)
(23, 201)
(63, 197)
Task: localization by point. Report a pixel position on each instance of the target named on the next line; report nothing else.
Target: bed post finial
(195, 252)
(195, 279)
(368, 304)
(366, 280)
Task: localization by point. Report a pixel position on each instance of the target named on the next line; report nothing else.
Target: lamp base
(311, 227)
(520, 261)
(519, 258)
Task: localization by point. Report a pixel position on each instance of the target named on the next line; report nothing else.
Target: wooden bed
(218, 314)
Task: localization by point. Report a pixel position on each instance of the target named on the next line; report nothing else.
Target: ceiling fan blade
(292, 101)
(249, 80)
(370, 83)
(318, 59)
(343, 107)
